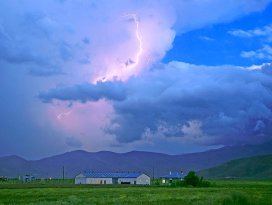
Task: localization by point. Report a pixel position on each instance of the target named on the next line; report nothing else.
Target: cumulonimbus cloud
(52, 34)
(93, 40)
(226, 104)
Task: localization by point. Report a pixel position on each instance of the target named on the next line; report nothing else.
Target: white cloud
(265, 32)
(206, 38)
(195, 14)
(264, 53)
(259, 67)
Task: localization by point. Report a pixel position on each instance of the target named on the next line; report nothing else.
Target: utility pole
(63, 173)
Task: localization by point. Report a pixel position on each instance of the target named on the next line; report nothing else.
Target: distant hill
(259, 167)
(77, 161)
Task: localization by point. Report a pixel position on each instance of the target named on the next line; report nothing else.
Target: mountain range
(153, 164)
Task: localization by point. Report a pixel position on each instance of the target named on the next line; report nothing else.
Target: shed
(172, 176)
(112, 178)
(27, 178)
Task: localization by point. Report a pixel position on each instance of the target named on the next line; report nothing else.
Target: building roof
(173, 175)
(112, 174)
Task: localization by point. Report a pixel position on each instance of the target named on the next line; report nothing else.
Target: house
(27, 178)
(172, 176)
(112, 178)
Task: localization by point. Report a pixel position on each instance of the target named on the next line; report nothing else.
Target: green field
(222, 192)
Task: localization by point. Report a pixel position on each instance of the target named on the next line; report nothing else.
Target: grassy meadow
(222, 192)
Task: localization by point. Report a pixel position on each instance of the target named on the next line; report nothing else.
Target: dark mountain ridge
(77, 161)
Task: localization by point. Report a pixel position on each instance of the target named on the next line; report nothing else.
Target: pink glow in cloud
(85, 122)
(106, 40)
(125, 39)
(144, 41)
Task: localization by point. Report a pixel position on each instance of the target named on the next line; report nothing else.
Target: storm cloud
(222, 105)
(68, 68)
(87, 92)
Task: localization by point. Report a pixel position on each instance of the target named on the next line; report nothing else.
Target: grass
(45, 182)
(223, 192)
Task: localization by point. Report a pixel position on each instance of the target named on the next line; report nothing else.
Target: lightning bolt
(133, 63)
(63, 114)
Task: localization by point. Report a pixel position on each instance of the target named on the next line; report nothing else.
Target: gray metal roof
(112, 174)
(173, 175)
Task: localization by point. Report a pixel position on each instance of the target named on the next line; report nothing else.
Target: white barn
(112, 178)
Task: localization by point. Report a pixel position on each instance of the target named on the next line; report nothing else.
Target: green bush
(193, 180)
(236, 198)
(156, 182)
(178, 183)
(205, 183)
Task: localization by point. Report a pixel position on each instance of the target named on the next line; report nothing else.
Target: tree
(192, 179)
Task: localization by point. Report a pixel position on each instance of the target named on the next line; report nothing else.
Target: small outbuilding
(27, 178)
(112, 178)
(171, 177)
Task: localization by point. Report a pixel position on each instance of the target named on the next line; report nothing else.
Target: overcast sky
(120, 75)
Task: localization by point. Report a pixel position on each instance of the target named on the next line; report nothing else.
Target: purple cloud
(223, 105)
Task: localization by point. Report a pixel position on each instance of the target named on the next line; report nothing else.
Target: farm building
(26, 178)
(112, 178)
(172, 176)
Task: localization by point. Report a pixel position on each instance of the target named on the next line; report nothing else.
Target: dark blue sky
(155, 75)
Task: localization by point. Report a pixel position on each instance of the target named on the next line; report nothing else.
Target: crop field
(222, 192)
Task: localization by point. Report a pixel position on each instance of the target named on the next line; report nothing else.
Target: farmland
(222, 192)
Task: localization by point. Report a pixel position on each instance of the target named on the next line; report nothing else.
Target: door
(114, 180)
